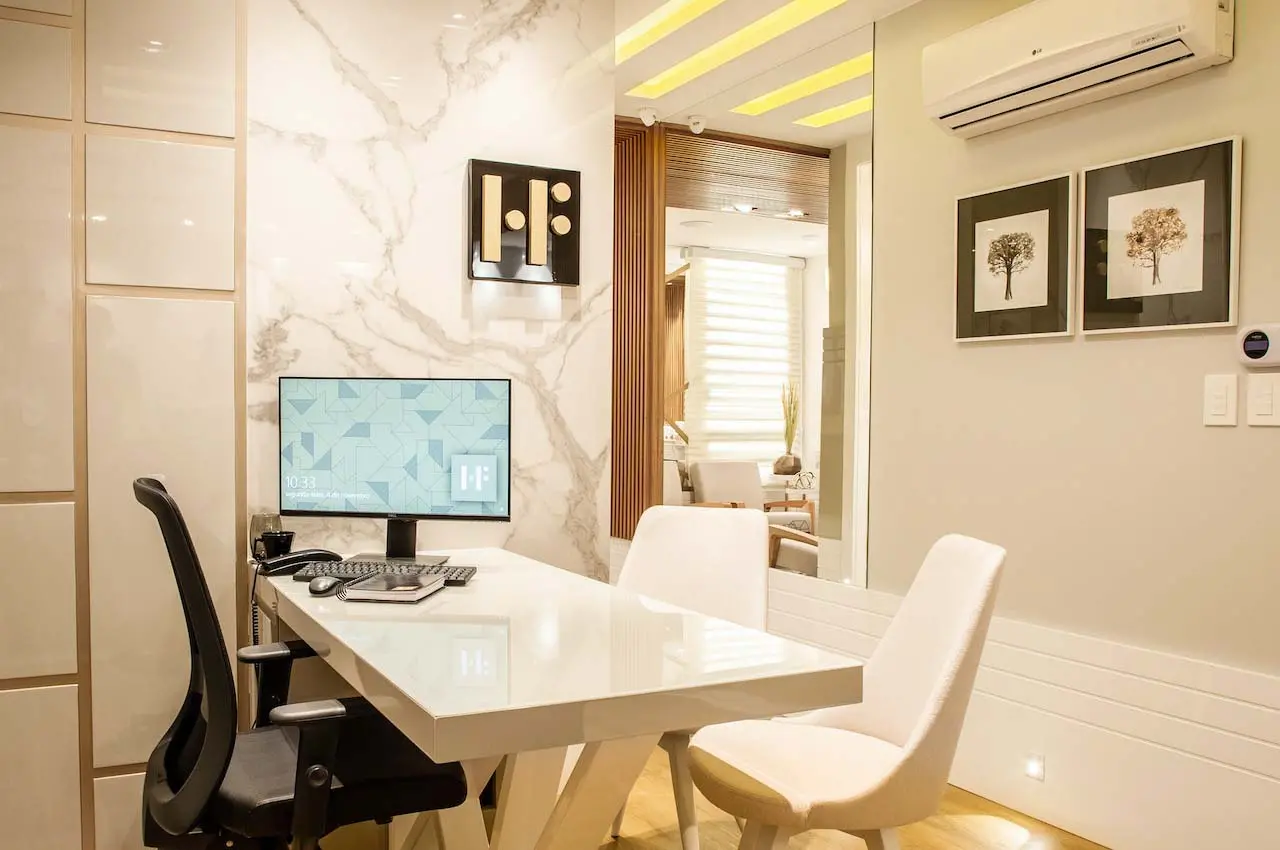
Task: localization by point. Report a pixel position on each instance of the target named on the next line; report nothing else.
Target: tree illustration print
(1155, 233)
(1010, 254)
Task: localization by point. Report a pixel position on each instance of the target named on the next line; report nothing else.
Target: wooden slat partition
(673, 382)
(638, 320)
(709, 171)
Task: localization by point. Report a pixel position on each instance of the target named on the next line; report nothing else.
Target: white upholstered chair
(726, 482)
(873, 766)
(712, 562)
(737, 484)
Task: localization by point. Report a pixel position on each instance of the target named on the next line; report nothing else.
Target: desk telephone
(287, 565)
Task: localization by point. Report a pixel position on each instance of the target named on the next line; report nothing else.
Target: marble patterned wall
(362, 118)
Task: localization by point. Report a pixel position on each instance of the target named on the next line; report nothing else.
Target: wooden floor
(966, 822)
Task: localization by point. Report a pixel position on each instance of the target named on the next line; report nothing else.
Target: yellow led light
(851, 69)
(657, 25)
(836, 113)
(778, 22)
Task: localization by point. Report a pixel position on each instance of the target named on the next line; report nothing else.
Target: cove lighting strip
(760, 31)
(657, 25)
(843, 112)
(851, 69)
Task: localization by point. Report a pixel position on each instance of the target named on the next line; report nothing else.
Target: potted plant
(789, 464)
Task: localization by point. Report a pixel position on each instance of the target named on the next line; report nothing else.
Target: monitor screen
(425, 448)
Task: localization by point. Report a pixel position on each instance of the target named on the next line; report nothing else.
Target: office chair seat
(379, 774)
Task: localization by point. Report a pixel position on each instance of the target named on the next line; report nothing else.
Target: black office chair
(303, 771)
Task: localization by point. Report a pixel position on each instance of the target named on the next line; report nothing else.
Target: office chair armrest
(281, 651)
(273, 665)
(319, 727)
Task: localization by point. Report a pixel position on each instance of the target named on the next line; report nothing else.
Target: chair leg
(879, 839)
(682, 782)
(750, 835)
(616, 829)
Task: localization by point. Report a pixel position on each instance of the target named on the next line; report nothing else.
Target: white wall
(1136, 647)
(1124, 517)
(363, 117)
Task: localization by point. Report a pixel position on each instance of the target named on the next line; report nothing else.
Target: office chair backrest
(189, 763)
(715, 562)
(727, 481)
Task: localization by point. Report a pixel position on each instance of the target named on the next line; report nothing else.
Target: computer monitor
(399, 449)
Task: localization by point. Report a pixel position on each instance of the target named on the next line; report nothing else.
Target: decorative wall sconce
(525, 223)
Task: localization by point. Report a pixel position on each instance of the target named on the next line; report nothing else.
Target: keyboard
(454, 575)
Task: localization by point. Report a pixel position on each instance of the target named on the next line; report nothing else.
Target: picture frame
(1015, 255)
(1159, 245)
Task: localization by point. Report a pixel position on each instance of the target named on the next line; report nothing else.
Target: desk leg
(459, 828)
(527, 790)
(596, 790)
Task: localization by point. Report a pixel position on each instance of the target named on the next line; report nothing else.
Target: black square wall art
(525, 223)
(1014, 258)
(1160, 240)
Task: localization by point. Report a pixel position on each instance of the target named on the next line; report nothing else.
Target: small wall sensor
(1259, 346)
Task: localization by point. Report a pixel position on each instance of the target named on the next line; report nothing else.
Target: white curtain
(744, 323)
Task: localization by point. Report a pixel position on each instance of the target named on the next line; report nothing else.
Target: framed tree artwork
(1014, 261)
(1160, 241)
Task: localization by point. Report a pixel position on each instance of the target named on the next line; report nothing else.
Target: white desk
(528, 659)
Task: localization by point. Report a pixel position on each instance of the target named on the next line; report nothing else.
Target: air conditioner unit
(1052, 55)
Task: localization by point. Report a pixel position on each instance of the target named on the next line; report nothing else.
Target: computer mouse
(324, 586)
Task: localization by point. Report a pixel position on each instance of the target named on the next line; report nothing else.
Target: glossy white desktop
(528, 659)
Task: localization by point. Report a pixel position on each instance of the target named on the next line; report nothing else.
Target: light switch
(1264, 399)
(1220, 400)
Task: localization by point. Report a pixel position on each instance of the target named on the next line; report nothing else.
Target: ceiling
(738, 232)
(823, 34)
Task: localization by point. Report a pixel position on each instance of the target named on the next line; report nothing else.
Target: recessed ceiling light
(696, 222)
(760, 31)
(859, 66)
(657, 25)
(744, 208)
(153, 46)
(843, 112)
(458, 16)
(186, 222)
(796, 213)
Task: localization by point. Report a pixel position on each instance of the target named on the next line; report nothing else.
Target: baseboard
(1143, 750)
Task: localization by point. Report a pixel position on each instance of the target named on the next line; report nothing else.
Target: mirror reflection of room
(764, 322)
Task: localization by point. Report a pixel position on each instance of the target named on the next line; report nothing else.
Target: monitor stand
(402, 545)
(402, 538)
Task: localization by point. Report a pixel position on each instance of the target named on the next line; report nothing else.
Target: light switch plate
(1220, 400)
(1264, 400)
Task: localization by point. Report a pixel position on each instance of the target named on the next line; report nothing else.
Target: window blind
(744, 325)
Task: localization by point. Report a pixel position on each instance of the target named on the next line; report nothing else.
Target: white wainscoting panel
(40, 794)
(161, 387)
(1143, 750)
(117, 812)
(35, 69)
(35, 308)
(160, 213)
(38, 602)
(163, 65)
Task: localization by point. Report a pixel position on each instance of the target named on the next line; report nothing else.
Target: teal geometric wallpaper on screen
(438, 447)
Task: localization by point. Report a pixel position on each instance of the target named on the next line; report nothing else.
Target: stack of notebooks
(390, 587)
